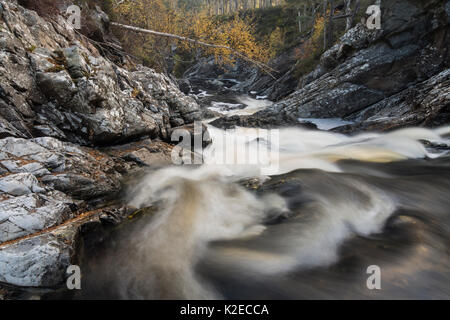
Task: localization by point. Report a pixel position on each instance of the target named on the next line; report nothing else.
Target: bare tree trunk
(300, 21)
(264, 67)
(348, 12)
(325, 33)
(314, 11)
(355, 12)
(330, 23)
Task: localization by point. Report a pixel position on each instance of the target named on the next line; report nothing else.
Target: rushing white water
(296, 148)
(314, 243)
(311, 200)
(203, 205)
(251, 106)
(326, 124)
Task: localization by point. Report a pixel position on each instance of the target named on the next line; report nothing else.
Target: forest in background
(259, 29)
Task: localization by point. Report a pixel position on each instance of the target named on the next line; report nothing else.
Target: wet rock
(244, 77)
(96, 24)
(39, 261)
(202, 74)
(370, 69)
(185, 86)
(146, 157)
(142, 153)
(60, 98)
(266, 122)
(66, 174)
(182, 108)
(19, 184)
(75, 64)
(56, 83)
(276, 86)
(28, 214)
(426, 104)
(60, 165)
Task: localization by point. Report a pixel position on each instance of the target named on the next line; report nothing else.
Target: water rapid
(308, 228)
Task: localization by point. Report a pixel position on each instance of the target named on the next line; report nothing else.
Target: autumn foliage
(235, 33)
(310, 51)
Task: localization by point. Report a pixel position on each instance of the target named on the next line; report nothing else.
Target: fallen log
(264, 67)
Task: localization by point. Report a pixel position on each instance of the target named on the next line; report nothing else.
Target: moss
(86, 58)
(55, 69)
(86, 74)
(141, 212)
(136, 92)
(31, 49)
(58, 60)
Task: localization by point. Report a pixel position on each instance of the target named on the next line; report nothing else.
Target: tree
(189, 31)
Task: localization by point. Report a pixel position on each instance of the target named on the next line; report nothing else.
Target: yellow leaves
(238, 34)
(155, 15)
(318, 29)
(135, 93)
(310, 52)
(312, 45)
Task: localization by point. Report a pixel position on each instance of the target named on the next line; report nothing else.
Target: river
(334, 207)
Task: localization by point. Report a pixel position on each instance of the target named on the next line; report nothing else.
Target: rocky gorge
(76, 124)
(72, 125)
(377, 79)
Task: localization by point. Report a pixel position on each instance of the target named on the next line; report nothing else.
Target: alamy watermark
(255, 147)
(374, 281)
(374, 20)
(74, 18)
(74, 280)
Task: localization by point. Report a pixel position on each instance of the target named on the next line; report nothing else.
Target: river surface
(307, 223)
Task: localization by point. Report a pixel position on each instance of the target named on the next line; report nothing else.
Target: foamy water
(211, 237)
(245, 106)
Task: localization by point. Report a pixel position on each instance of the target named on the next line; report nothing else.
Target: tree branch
(259, 64)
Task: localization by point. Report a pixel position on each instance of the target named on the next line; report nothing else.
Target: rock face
(45, 183)
(61, 101)
(55, 83)
(41, 261)
(243, 77)
(399, 72)
(254, 80)
(427, 104)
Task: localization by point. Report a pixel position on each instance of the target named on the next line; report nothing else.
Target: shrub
(308, 55)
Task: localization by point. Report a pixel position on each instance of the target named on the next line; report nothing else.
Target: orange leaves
(309, 53)
(237, 34)
(312, 45)
(154, 15)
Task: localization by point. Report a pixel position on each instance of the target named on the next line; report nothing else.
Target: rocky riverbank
(73, 125)
(378, 79)
(77, 119)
